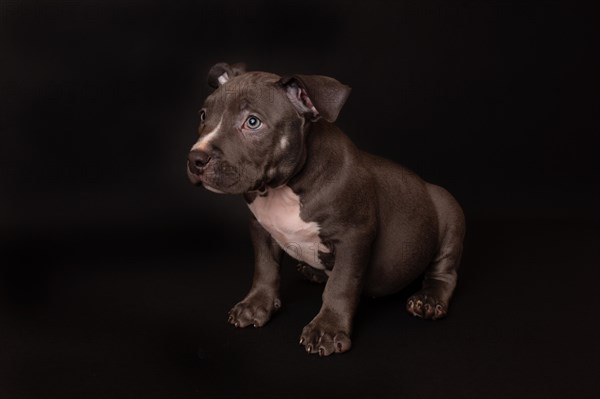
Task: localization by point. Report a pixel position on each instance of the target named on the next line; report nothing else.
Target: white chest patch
(279, 214)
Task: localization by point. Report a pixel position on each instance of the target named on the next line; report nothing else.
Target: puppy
(358, 222)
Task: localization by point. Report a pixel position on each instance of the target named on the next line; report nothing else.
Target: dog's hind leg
(432, 301)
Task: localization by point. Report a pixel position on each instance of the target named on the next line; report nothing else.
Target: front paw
(256, 309)
(324, 335)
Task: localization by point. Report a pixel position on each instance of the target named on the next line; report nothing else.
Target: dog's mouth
(197, 180)
(214, 190)
(212, 181)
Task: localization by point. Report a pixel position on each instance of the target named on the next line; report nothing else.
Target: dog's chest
(279, 213)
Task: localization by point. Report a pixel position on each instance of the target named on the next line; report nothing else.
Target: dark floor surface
(132, 317)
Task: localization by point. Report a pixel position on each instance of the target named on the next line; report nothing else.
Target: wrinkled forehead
(252, 89)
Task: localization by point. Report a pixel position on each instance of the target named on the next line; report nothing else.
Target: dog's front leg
(263, 299)
(330, 330)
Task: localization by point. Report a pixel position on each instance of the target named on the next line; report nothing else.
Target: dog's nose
(197, 159)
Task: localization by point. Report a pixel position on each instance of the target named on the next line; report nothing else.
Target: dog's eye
(252, 122)
(202, 115)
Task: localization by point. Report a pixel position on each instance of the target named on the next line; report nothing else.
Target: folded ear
(316, 95)
(220, 73)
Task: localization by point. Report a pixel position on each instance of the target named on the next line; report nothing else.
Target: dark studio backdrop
(116, 273)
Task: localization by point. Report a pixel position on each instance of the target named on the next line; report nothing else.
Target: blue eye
(252, 122)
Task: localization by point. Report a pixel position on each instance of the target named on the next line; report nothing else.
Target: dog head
(253, 127)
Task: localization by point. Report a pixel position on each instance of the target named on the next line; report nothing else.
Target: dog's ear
(316, 96)
(220, 73)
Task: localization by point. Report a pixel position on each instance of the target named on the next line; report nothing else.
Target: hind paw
(426, 306)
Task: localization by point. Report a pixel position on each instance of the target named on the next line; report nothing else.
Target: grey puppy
(360, 223)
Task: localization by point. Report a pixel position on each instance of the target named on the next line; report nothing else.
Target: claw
(301, 340)
(309, 348)
(321, 351)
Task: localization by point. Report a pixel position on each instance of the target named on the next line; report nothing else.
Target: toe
(245, 318)
(342, 342)
(326, 345)
(410, 306)
(419, 307)
(439, 312)
(428, 310)
(310, 340)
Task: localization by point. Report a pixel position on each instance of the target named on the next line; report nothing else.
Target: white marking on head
(284, 142)
(223, 78)
(202, 144)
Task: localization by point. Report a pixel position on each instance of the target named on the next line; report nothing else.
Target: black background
(116, 273)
